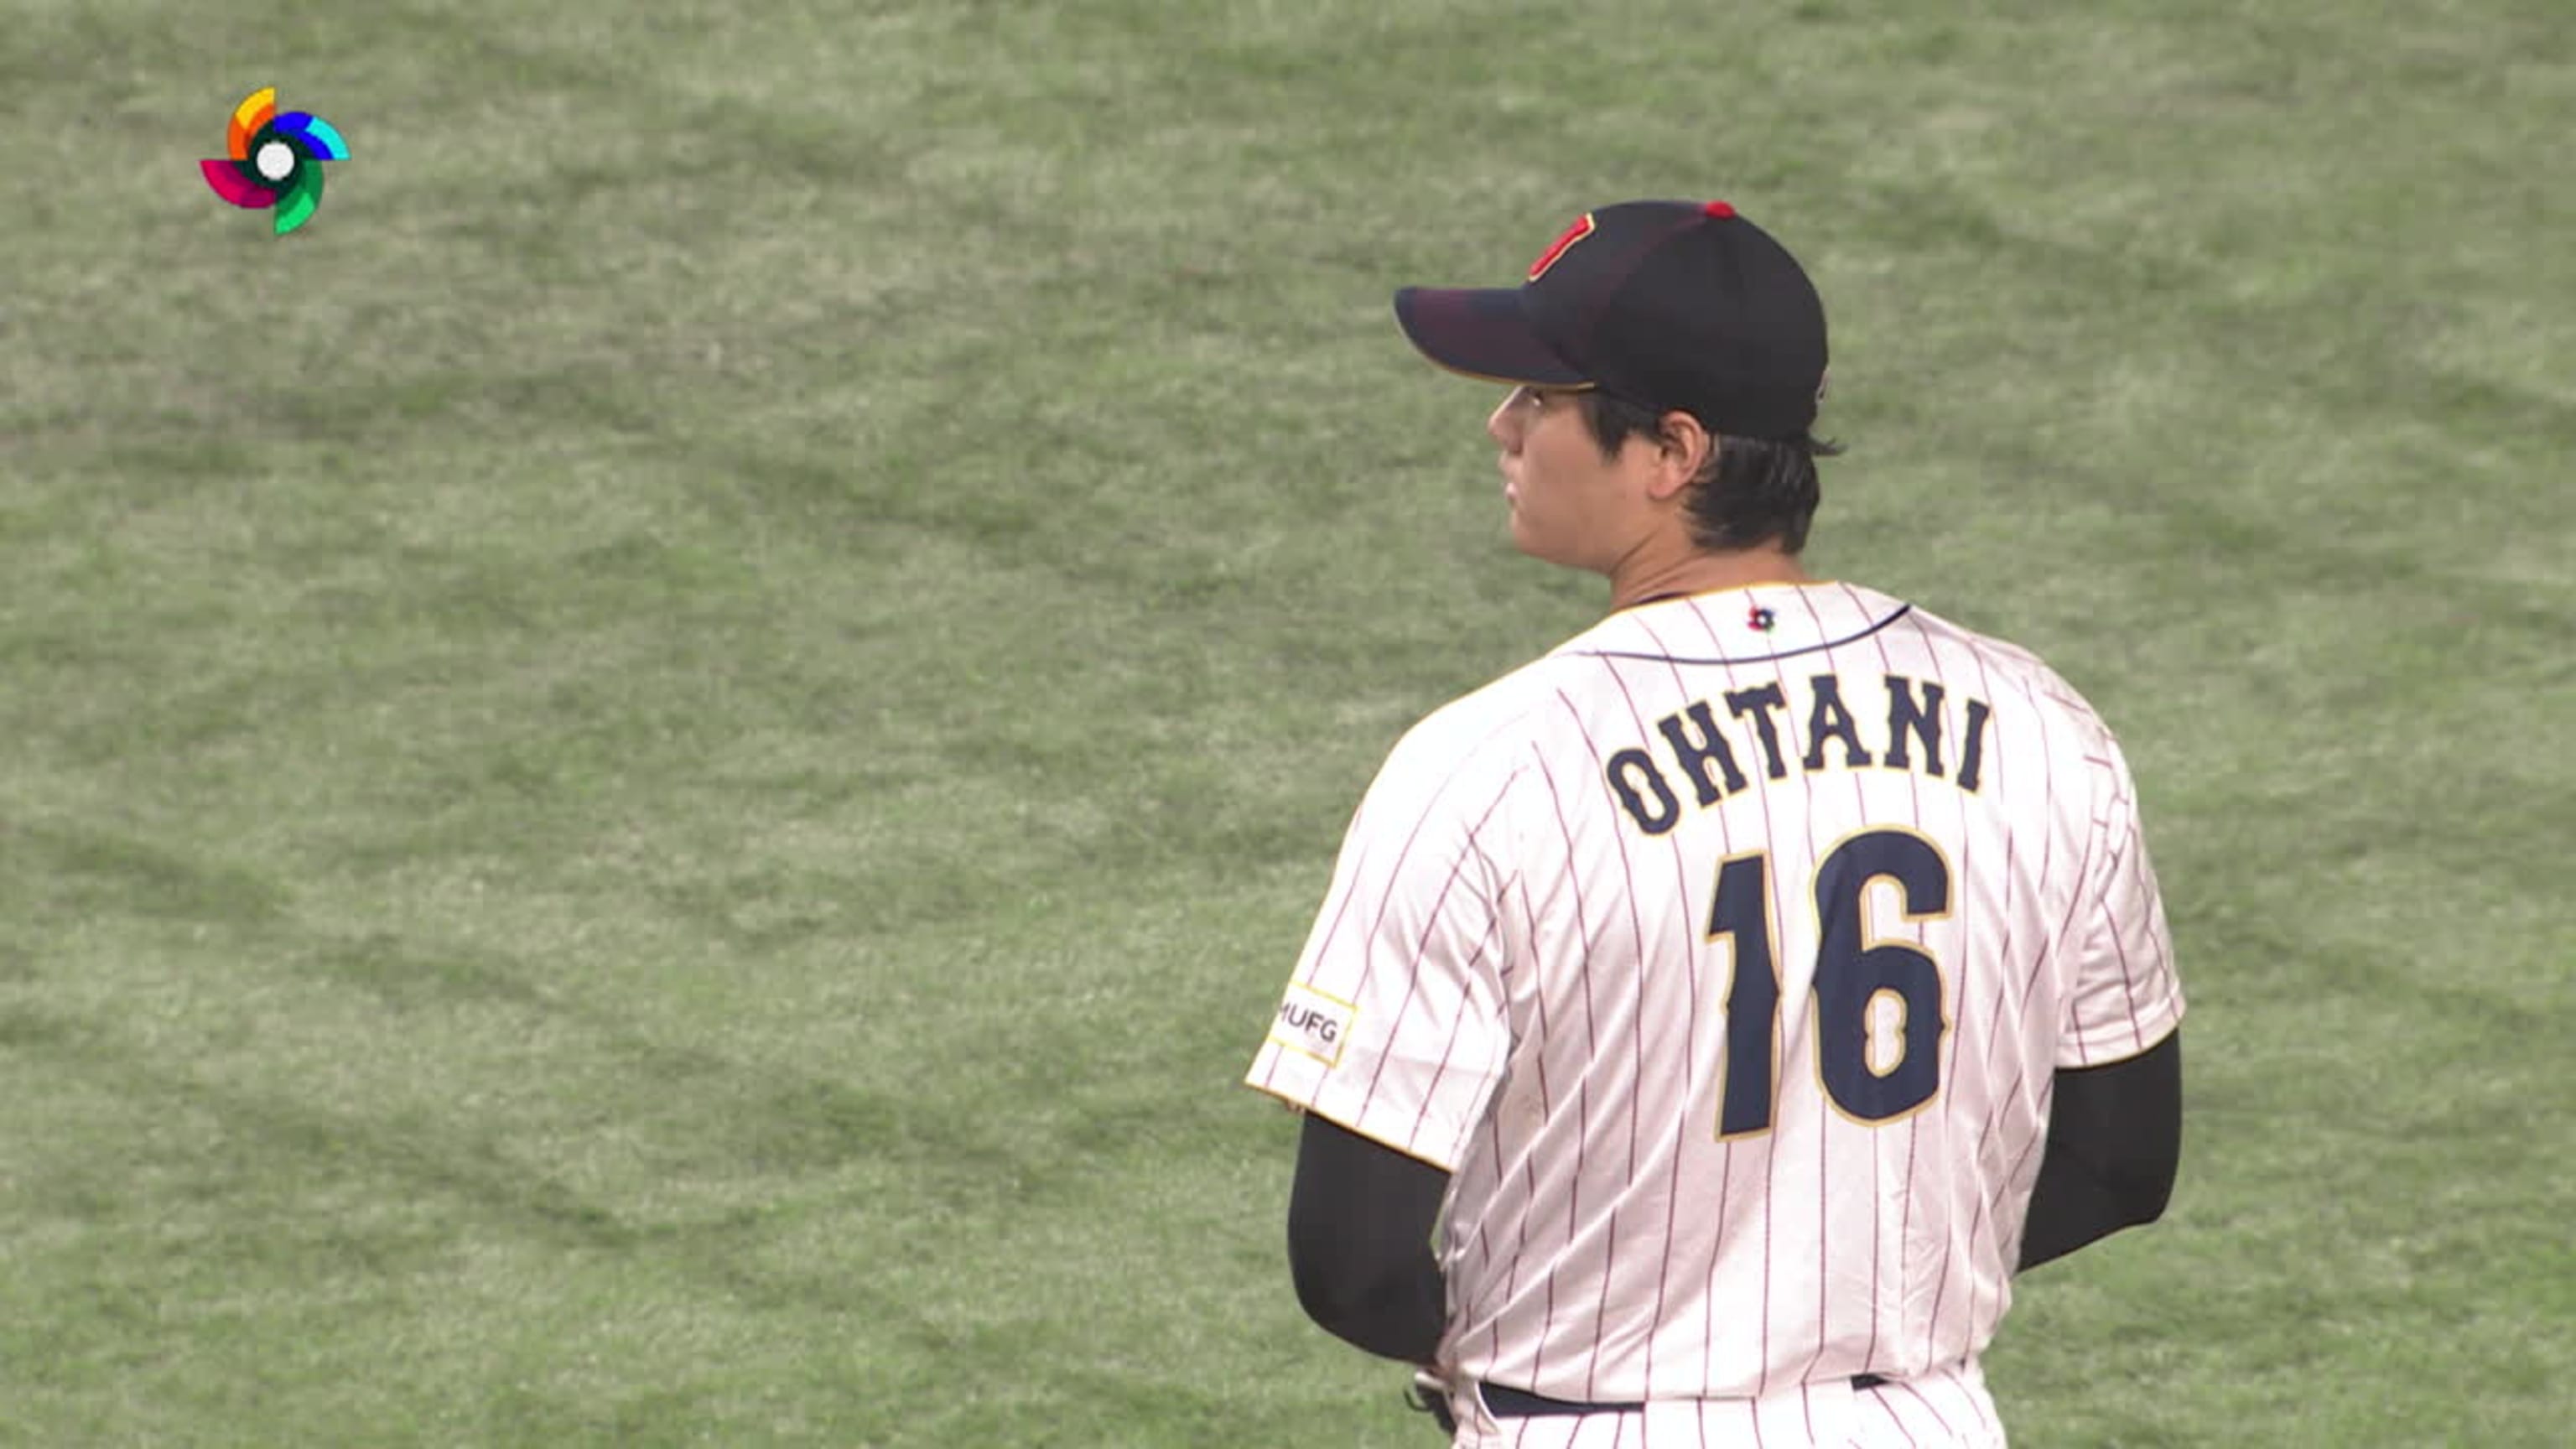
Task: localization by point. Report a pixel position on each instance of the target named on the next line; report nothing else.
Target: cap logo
(1558, 248)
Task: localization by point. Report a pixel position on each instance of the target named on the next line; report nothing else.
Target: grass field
(658, 776)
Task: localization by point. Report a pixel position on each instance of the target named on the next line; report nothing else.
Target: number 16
(1852, 973)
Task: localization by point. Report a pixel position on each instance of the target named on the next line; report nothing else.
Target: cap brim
(1481, 332)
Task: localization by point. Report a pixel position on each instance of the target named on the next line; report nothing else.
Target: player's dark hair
(1752, 490)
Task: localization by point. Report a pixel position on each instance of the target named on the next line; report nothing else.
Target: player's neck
(1643, 580)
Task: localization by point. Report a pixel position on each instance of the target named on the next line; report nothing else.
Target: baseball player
(1707, 1020)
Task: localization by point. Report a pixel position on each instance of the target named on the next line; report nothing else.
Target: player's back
(1800, 886)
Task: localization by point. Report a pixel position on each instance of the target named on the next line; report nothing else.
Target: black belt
(1509, 1403)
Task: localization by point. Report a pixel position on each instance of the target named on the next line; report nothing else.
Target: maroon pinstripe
(1421, 947)
(1913, 1126)
(1893, 1422)
(1591, 1045)
(1637, 932)
(1691, 998)
(2004, 775)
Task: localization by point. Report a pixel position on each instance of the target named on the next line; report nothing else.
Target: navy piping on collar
(1901, 611)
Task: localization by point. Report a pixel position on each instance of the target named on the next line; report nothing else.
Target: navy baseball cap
(1674, 305)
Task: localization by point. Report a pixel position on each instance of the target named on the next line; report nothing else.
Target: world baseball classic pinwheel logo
(276, 160)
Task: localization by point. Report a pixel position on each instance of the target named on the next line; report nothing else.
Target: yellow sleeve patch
(1313, 1024)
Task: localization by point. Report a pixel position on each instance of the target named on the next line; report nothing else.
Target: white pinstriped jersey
(1724, 955)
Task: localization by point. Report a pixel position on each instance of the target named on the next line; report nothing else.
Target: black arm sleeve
(2114, 1139)
(1360, 1218)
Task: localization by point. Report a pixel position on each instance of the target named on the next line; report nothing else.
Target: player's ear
(1683, 446)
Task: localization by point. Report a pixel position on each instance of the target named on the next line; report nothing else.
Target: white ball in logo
(275, 160)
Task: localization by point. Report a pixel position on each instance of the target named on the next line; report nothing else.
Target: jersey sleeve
(2125, 996)
(1393, 1023)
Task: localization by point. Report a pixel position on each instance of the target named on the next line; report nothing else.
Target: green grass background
(656, 778)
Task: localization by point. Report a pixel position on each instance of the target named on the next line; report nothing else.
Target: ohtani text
(1711, 749)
